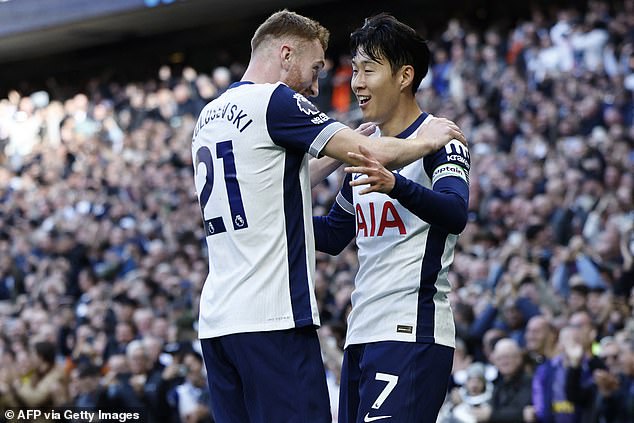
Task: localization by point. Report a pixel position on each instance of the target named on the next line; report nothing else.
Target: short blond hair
(290, 24)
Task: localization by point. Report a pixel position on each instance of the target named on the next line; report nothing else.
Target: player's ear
(286, 52)
(406, 76)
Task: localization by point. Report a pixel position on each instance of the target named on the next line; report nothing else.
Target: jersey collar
(410, 129)
(237, 84)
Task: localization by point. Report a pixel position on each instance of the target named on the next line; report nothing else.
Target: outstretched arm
(392, 152)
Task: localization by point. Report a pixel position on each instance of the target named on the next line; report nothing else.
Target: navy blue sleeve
(446, 204)
(296, 124)
(335, 230)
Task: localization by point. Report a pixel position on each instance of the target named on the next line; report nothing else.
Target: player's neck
(262, 71)
(401, 118)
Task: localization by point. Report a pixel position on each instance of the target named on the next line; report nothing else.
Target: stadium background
(540, 240)
(74, 38)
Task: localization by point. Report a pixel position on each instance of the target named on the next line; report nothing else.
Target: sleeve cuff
(399, 184)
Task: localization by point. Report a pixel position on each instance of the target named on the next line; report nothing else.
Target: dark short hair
(385, 37)
(290, 24)
(580, 289)
(46, 351)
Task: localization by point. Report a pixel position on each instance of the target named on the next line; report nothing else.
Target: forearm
(392, 153)
(395, 153)
(321, 168)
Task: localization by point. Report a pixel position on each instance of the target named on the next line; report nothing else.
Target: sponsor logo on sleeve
(309, 109)
(457, 153)
(305, 106)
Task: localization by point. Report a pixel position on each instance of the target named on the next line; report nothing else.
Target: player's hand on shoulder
(437, 132)
(378, 178)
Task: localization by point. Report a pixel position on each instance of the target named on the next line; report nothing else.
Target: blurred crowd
(102, 257)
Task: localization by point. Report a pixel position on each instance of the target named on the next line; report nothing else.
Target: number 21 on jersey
(224, 152)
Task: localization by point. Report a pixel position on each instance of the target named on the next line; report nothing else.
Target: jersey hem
(421, 340)
(204, 334)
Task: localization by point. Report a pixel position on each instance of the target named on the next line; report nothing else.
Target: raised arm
(391, 152)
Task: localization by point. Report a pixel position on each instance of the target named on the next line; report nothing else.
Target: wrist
(427, 147)
(392, 183)
(396, 185)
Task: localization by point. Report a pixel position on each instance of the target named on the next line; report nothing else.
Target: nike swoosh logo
(368, 419)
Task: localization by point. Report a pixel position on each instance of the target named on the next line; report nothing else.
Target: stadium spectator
(119, 394)
(462, 401)
(511, 397)
(84, 387)
(615, 388)
(541, 340)
(192, 397)
(551, 399)
(45, 385)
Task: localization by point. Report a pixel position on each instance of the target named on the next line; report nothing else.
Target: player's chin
(368, 116)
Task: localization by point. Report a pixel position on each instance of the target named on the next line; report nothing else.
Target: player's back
(256, 209)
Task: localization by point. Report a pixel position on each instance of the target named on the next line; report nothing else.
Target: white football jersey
(401, 287)
(251, 175)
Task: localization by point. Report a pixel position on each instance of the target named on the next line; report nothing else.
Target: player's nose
(356, 83)
(313, 90)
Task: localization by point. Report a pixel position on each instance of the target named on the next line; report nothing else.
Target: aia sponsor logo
(370, 223)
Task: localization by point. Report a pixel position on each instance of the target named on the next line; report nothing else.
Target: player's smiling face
(306, 63)
(377, 88)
